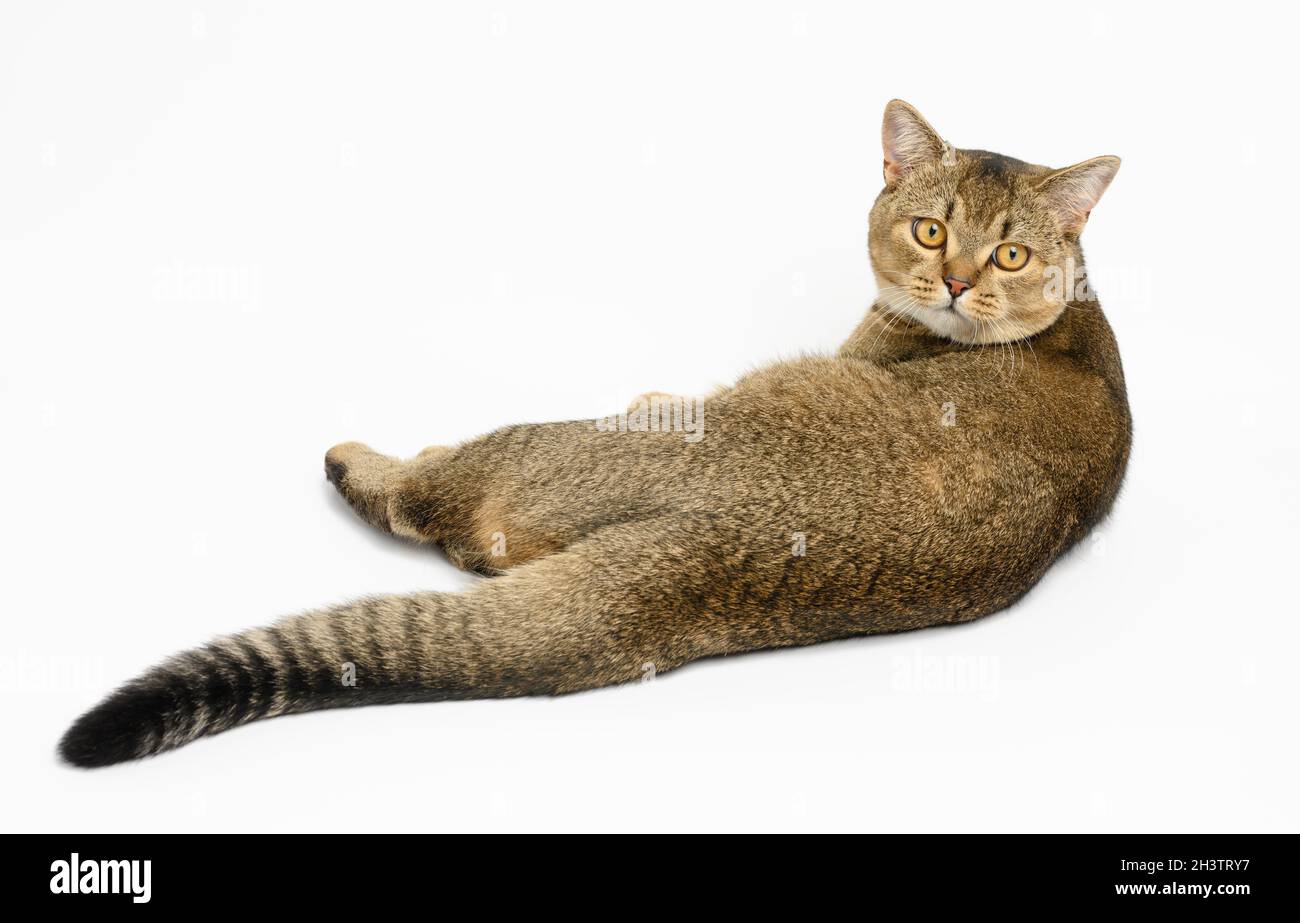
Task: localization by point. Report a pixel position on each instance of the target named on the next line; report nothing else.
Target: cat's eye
(1010, 257)
(929, 233)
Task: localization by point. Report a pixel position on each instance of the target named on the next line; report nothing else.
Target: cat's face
(962, 241)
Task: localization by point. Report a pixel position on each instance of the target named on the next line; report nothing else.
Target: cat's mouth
(967, 310)
(956, 306)
(963, 316)
(971, 318)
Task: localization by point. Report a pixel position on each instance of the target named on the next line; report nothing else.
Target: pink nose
(956, 286)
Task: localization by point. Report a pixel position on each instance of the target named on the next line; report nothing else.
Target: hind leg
(428, 502)
(368, 481)
(519, 493)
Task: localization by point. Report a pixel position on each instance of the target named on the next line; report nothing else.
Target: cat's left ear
(1072, 192)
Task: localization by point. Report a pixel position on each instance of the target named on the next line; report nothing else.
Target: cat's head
(963, 241)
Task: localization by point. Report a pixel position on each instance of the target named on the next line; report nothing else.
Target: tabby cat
(973, 427)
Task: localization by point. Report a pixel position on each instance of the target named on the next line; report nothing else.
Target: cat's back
(1062, 391)
(979, 443)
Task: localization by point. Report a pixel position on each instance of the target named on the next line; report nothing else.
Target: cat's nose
(956, 286)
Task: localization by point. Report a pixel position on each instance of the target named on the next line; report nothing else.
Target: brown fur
(932, 481)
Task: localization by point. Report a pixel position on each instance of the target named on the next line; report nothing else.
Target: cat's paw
(433, 453)
(338, 459)
(364, 478)
(642, 401)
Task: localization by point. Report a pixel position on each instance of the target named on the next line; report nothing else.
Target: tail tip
(120, 728)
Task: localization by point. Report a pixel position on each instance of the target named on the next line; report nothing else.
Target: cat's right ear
(909, 141)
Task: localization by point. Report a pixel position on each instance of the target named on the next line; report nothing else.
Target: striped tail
(594, 615)
(392, 649)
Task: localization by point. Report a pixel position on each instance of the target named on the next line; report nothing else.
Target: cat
(972, 428)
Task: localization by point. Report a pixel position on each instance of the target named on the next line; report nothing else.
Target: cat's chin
(952, 323)
(941, 320)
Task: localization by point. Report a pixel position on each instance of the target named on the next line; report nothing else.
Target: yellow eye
(1010, 257)
(929, 233)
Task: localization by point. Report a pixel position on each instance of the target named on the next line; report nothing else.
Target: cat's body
(910, 480)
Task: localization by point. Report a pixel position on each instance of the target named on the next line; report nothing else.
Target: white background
(234, 234)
